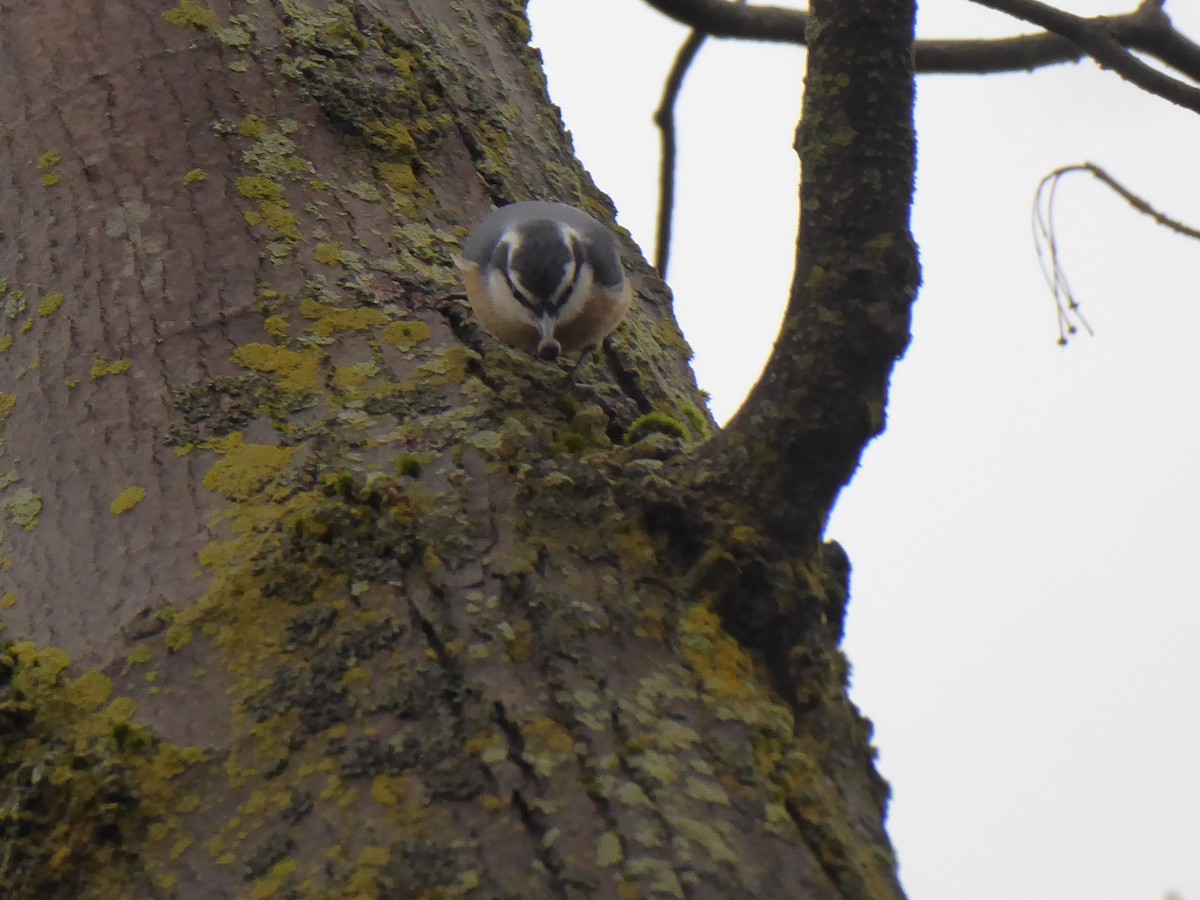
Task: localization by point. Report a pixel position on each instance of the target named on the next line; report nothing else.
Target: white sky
(1025, 626)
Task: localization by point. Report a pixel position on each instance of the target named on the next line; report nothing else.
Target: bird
(545, 277)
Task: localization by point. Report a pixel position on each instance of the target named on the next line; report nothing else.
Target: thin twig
(664, 118)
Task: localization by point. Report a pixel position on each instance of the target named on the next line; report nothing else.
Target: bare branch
(1095, 37)
(721, 19)
(801, 432)
(1147, 29)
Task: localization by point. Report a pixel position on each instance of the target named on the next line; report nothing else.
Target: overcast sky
(1025, 625)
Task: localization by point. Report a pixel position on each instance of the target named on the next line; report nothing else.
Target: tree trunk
(315, 590)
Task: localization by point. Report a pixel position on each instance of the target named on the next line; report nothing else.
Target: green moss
(409, 464)
(654, 423)
(127, 500)
(668, 336)
(696, 420)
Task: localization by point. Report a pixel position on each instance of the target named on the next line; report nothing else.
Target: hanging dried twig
(1046, 243)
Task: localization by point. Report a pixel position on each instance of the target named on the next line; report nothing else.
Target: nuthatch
(545, 277)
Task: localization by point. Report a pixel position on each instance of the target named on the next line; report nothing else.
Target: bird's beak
(548, 348)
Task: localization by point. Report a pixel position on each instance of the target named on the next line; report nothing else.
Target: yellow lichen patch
(401, 178)
(707, 836)
(23, 506)
(102, 369)
(406, 335)
(7, 402)
(253, 127)
(296, 371)
(140, 654)
(608, 850)
(273, 211)
(449, 368)
(714, 655)
(706, 791)
(347, 378)
(178, 637)
(87, 753)
(127, 500)
(328, 254)
(93, 689)
(259, 187)
(278, 217)
(246, 468)
(49, 305)
(274, 880)
(392, 138)
(276, 326)
(194, 176)
(636, 547)
(48, 163)
(189, 13)
(331, 320)
(546, 734)
(6, 343)
(8, 601)
(377, 857)
(388, 790)
(546, 745)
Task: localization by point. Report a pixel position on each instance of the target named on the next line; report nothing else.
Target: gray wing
(603, 252)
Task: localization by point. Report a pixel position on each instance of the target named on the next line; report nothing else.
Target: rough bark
(396, 615)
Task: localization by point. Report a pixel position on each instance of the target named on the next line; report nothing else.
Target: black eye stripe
(517, 293)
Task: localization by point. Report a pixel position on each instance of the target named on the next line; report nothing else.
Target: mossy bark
(316, 590)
